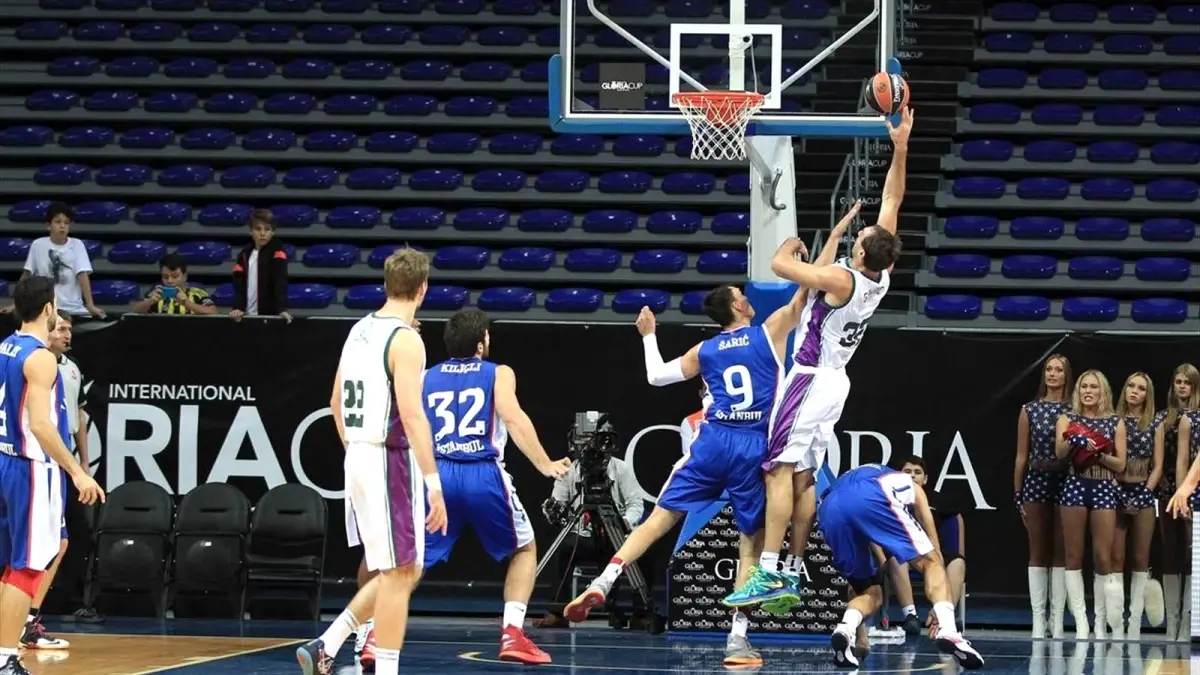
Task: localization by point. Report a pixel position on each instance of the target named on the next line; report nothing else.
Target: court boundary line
(476, 657)
(202, 660)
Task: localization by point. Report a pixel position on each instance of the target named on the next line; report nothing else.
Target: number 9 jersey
(741, 373)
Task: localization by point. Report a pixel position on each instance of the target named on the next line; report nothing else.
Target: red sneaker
(515, 646)
(578, 609)
(366, 659)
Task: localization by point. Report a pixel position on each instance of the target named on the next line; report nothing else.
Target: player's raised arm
(40, 372)
(335, 407)
(832, 279)
(660, 374)
(521, 427)
(406, 358)
(893, 186)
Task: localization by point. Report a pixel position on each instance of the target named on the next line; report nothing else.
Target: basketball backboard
(620, 60)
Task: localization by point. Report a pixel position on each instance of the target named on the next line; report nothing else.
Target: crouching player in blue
(870, 510)
(472, 407)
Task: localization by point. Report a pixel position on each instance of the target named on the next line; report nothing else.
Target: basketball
(886, 94)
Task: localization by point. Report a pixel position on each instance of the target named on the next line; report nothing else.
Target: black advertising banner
(182, 400)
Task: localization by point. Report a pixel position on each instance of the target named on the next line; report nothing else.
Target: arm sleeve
(658, 373)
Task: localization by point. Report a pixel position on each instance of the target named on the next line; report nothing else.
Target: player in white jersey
(390, 471)
(842, 298)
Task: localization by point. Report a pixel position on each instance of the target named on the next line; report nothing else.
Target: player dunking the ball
(866, 511)
(741, 369)
(390, 470)
(843, 298)
(472, 407)
(33, 454)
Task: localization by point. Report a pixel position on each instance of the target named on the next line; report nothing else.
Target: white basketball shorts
(386, 491)
(807, 407)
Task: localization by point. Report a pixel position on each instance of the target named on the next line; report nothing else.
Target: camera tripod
(605, 515)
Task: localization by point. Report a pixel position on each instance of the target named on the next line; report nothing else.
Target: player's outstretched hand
(901, 133)
(89, 489)
(646, 322)
(435, 520)
(556, 469)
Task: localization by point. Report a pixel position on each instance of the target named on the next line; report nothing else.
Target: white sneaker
(950, 642)
(843, 646)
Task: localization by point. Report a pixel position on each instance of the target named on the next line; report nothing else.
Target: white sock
(852, 619)
(769, 561)
(613, 571)
(944, 611)
(741, 623)
(337, 633)
(910, 610)
(387, 662)
(514, 615)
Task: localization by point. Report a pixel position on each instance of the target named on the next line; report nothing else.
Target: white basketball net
(718, 120)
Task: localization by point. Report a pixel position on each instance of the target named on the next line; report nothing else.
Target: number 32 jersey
(828, 336)
(459, 400)
(741, 371)
(369, 413)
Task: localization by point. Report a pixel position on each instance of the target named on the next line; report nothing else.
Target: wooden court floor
(460, 646)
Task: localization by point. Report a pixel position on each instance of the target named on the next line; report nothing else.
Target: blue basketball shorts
(854, 515)
(31, 513)
(479, 495)
(721, 460)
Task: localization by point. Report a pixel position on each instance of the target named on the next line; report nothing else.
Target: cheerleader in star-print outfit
(1089, 496)
(1178, 424)
(1136, 502)
(1037, 480)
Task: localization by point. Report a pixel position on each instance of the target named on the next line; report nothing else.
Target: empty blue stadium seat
(1029, 267)
(1172, 190)
(124, 174)
(310, 296)
(624, 182)
(132, 66)
(101, 213)
(111, 292)
(417, 218)
(170, 102)
(545, 220)
(446, 298)
(986, 151)
(481, 219)
(1163, 269)
(290, 104)
(1090, 309)
(436, 179)
(14, 249)
(164, 213)
(26, 136)
(1057, 114)
(73, 66)
(658, 261)
(731, 223)
(247, 176)
(577, 144)
(353, 217)
(609, 221)
(87, 137)
(1043, 188)
(722, 262)
(205, 252)
(673, 222)
(506, 299)
(237, 103)
(1159, 310)
(29, 211)
(995, 113)
(962, 266)
(485, 71)
(1002, 78)
(386, 34)
(1013, 43)
(426, 71)
(461, 258)
(51, 100)
(692, 302)
(371, 296)
(391, 141)
(1179, 80)
(1102, 229)
(225, 215)
(1118, 152)
(61, 174)
(971, 227)
(700, 183)
(956, 307)
(1095, 267)
(111, 101)
(308, 69)
(1036, 227)
(294, 215)
(310, 178)
(1187, 15)
(207, 139)
(187, 175)
(330, 255)
(527, 259)
(222, 295)
(191, 67)
(562, 181)
(249, 69)
(1181, 45)
(142, 138)
(1050, 151)
(531, 106)
(632, 300)
(639, 146)
(1107, 189)
(579, 300)
(453, 143)
(1168, 229)
(1128, 44)
(592, 260)
(1123, 79)
(41, 30)
(502, 36)
(1021, 308)
(1062, 78)
(515, 144)
(137, 251)
(1175, 153)
(979, 188)
(330, 140)
(351, 104)
(367, 69)
(329, 34)
(499, 180)
(218, 32)
(98, 31)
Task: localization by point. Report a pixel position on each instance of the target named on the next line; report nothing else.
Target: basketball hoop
(718, 120)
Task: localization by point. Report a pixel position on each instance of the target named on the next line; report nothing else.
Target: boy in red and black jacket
(260, 274)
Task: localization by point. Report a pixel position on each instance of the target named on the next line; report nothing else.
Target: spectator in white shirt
(260, 274)
(65, 260)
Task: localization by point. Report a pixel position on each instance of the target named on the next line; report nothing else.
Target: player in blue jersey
(472, 407)
(741, 368)
(870, 510)
(33, 454)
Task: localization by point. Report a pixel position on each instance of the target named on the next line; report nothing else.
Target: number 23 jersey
(459, 400)
(369, 413)
(741, 372)
(827, 335)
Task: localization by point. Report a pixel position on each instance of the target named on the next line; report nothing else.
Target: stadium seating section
(1068, 195)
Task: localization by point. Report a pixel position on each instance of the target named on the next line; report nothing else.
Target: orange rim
(720, 107)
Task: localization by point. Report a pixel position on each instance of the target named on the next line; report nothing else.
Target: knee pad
(863, 585)
(25, 580)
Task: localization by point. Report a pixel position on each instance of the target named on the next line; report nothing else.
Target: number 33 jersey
(741, 373)
(458, 398)
(369, 413)
(827, 335)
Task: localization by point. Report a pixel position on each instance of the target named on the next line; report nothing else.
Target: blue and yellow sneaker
(763, 586)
